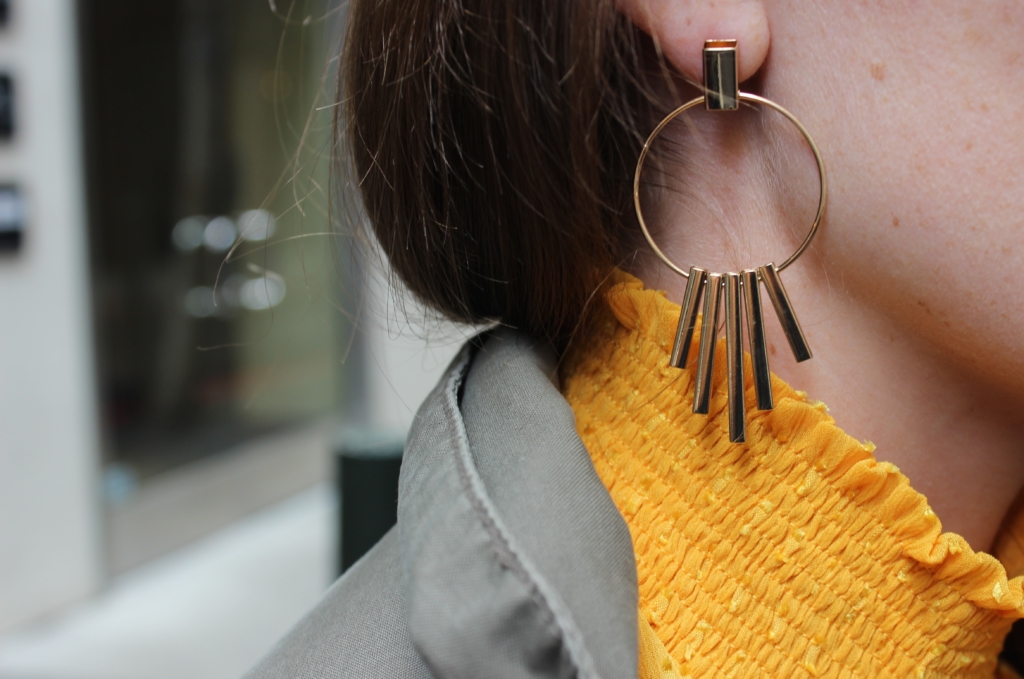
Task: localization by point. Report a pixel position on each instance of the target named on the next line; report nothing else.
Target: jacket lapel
(516, 563)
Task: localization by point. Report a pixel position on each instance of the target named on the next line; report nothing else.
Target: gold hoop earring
(721, 85)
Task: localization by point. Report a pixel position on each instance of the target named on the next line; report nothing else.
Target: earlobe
(680, 27)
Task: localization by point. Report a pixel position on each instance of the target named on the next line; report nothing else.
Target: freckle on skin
(895, 222)
(771, 349)
(878, 70)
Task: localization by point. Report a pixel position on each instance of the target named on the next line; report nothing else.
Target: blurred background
(189, 351)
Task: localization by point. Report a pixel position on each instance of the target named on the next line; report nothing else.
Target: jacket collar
(515, 561)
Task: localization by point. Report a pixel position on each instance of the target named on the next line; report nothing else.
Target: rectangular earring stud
(688, 317)
(734, 347)
(758, 345)
(721, 77)
(708, 335)
(784, 310)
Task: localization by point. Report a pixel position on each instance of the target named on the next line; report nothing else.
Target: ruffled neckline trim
(878, 488)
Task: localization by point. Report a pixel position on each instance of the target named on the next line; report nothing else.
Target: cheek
(926, 213)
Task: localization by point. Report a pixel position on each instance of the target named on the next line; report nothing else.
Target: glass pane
(196, 111)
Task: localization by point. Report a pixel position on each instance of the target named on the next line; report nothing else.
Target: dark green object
(368, 463)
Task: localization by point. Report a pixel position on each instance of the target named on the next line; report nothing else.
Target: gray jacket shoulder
(509, 558)
(357, 630)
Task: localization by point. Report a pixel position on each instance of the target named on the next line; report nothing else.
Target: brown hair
(493, 144)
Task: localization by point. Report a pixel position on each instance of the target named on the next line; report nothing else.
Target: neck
(957, 440)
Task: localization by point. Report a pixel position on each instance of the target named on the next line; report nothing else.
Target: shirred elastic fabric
(795, 554)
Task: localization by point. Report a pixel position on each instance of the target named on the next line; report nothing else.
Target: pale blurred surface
(50, 520)
(208, 611)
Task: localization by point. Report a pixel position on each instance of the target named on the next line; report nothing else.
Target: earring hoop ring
(751, 99)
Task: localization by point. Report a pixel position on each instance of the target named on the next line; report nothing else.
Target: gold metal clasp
(721, 77)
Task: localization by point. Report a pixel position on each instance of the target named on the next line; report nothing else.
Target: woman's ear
(680, 27)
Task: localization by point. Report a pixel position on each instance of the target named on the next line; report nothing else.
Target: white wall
(406, 351)
(49, 509)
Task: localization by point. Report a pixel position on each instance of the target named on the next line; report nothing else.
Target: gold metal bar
(734, 347)
(721, 77)
(688, 317)
(708, 335)
(784, 310)
(758, 345)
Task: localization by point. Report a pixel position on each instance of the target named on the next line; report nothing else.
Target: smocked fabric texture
(509, 558)
(795, 554)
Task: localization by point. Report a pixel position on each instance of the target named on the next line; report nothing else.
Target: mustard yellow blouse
(795, 554)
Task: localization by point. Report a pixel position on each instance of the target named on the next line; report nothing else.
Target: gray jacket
(509, 558)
